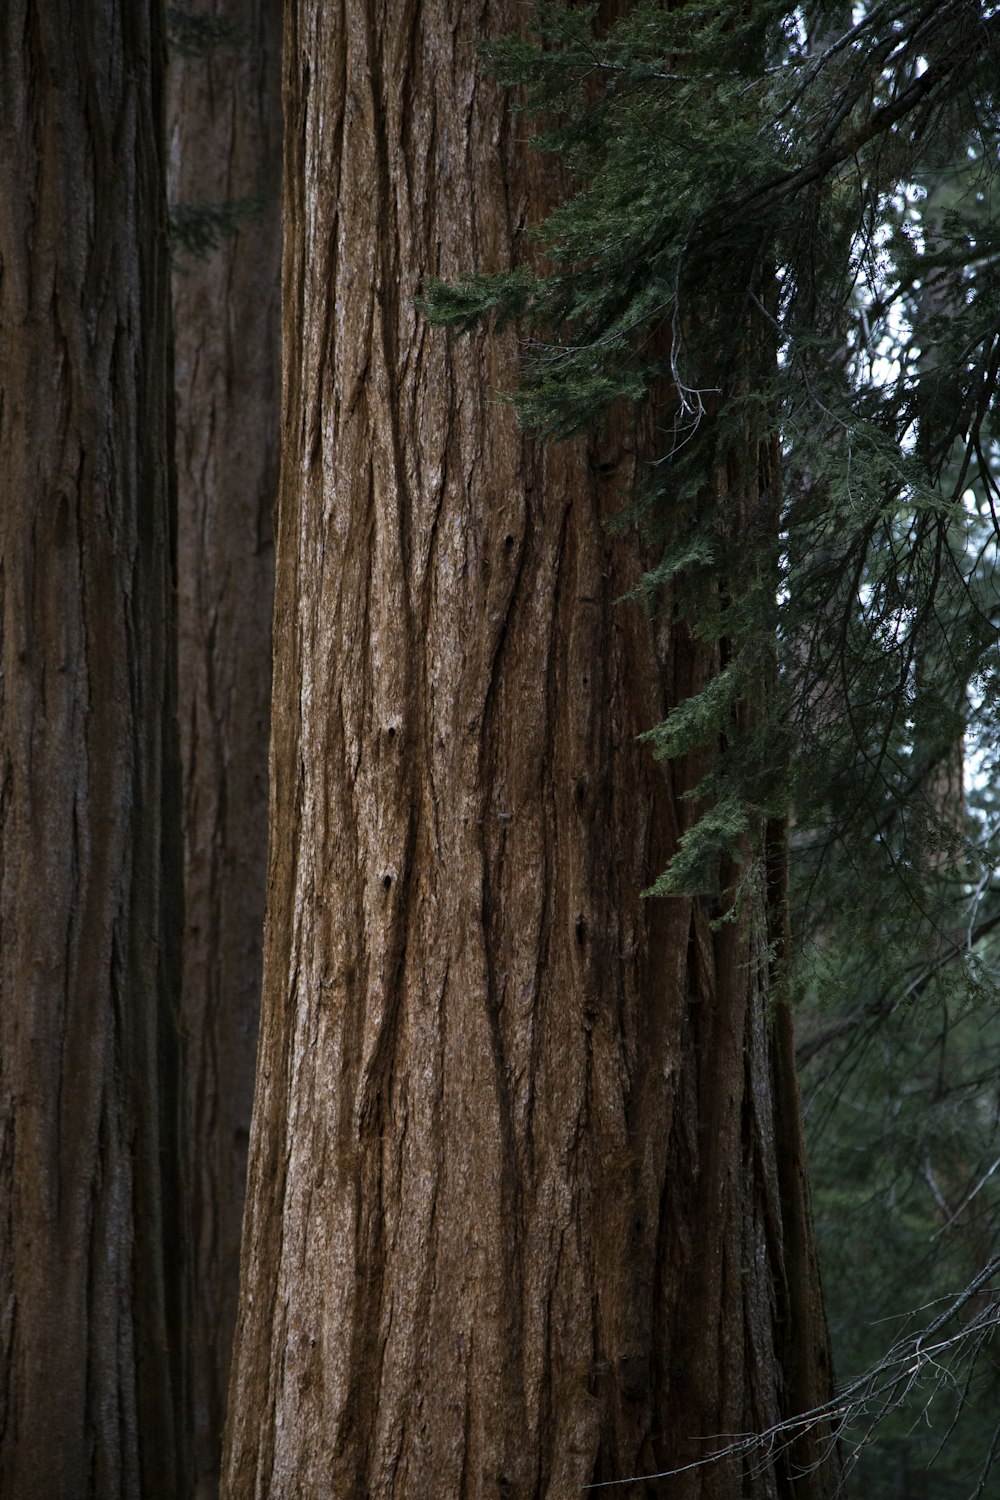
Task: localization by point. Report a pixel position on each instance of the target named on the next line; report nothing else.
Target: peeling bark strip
(526, 1205)
(224, 130)
(91, 1335)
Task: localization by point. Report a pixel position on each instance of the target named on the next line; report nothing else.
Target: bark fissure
(90, 1277)
(224, 134)
(539, 1242)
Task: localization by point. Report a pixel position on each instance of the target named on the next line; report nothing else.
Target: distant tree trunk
(526, 1206)
(92, 1338)
(225, 144)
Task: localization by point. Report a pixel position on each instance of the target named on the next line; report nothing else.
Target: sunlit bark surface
(92, 1338)
(526, 1206)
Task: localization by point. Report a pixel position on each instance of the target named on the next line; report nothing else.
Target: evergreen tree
(773, 234)
(526, 1205)
(901, 1059)
(735, 257)
(94, 1356)
(224, 127)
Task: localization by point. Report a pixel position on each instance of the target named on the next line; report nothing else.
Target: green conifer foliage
(771, 237)
(736, 258)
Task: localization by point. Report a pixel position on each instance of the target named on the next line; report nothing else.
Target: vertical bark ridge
(92, 1383)
(224, 121)
(513, 1219)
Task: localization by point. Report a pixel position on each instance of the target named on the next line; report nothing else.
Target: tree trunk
(92, 1337)
(526, 1206)
(224, 121)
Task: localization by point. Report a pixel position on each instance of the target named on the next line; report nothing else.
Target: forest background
(774, 234)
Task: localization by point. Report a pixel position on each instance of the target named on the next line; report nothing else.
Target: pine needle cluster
(781, 251)
(783, 230)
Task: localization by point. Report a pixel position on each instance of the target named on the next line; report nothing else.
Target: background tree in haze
(898, 1039)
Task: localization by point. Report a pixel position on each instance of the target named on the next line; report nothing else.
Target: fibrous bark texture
(224, 123)
(91, 1330)
(525, 1207)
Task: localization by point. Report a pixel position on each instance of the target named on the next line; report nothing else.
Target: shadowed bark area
(92, 1338)
(224, 131)
(526, 1205)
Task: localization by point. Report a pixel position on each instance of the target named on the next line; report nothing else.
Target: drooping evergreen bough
(744, 252)
(782, 225)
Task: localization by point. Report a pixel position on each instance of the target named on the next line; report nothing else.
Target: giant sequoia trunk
(526, 1205)
(225, 145)
(91, 1330)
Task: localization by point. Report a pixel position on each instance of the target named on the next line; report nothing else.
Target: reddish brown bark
(526, 1206)
(92, 1337)
(224, 116)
